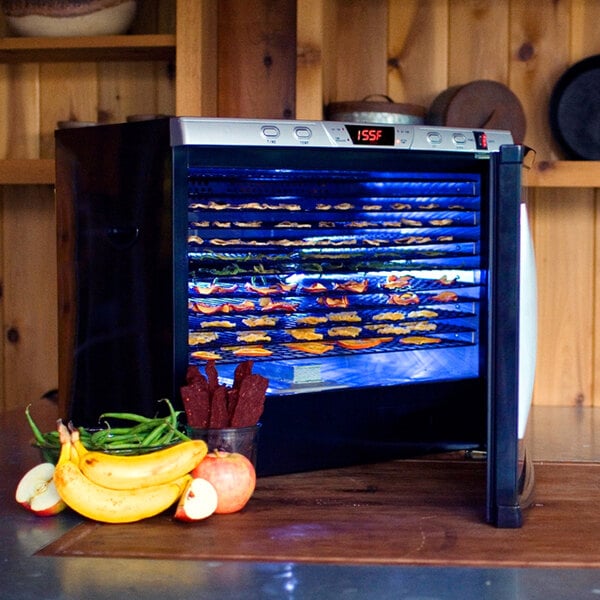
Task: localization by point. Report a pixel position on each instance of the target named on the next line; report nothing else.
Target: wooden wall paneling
(479, 46)
(19, 135)
(256, 58)
(539, 46)
(155, 16)
(68, 92)
(2, 304)
(29, 294)
(360, 46)
(563, 229)
(310, 22)
(595, 288)
(132, 88)
(196, 62)
(5, 103)
(417, 62)
(584, 38)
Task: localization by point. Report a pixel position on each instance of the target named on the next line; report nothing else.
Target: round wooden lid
(481, 104)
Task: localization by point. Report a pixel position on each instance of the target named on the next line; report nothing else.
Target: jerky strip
(241, 372)
(251, 401)
(218, 408)
(213, 377)
(232, 400)
(196, 403)
(193, 374)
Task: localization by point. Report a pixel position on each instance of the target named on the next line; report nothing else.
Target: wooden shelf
(27, 171)
(87, 49)
(564, 173)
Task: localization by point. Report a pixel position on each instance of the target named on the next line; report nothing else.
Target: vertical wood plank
(29, 300)
(417, 62)
(257, 58)
(126, 89)
(360, 43)
(584, 42)
(20, 119)
(154, 16)
(539, 46)
(310, 24)
(584, 38)
(563, 230)
(68, 91)
(2, 303)
(486, 54)
(196, 62)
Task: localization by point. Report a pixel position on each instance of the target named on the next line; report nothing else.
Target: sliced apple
(232, 475)
(36, 491)
(198, 501)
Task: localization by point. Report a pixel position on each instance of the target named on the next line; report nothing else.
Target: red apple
(232, 475)
(198, 501)
(36, 491)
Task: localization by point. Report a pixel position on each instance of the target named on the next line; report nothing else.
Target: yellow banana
(142, 470)
(106, 505)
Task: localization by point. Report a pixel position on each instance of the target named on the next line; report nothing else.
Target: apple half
(37, 493)
(198, 501)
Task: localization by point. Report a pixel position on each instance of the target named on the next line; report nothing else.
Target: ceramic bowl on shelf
(63, 18)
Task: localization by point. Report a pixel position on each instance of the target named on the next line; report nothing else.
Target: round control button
(303, 133)
(433, 137)
(270, 131)
(459, 138)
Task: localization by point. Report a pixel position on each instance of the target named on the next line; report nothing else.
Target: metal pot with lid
(375, 108)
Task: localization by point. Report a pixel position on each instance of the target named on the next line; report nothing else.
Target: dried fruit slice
(311, 347)
(363, 344)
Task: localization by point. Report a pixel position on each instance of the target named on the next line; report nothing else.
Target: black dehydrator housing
(393, 252)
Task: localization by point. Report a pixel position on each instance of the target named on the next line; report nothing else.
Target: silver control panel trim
(200, 131)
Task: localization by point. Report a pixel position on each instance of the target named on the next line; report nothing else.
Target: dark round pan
(575, 110)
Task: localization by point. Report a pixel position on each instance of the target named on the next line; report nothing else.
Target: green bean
(125, 416)
(123, 446)
(181, 435)
(172, 412)
(37, 434)
(152, 437)
(99, 437)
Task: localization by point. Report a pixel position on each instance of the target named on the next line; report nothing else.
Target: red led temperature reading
(371, 136)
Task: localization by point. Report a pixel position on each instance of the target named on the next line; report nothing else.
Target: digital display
(371, 135)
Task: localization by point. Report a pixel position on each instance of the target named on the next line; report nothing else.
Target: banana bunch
(123, 489)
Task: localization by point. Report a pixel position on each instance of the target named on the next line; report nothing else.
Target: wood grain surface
(310, 53)
(406, 512)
